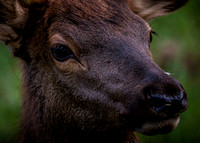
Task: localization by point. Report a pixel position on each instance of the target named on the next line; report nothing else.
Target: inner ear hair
(149, 9)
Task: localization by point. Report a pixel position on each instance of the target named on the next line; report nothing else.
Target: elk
(88, 73)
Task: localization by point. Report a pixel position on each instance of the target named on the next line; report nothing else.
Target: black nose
(170, 101)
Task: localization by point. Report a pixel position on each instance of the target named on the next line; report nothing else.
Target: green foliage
(9, 96)
(176, 50)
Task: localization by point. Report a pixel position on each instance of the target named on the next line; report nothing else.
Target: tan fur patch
(7, 33)
(57, 38)
(21, 16)
(149, 10)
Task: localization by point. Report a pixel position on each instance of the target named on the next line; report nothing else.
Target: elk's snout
(168, 99)
(165, 99)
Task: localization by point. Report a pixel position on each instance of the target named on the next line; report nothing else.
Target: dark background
(176, 50)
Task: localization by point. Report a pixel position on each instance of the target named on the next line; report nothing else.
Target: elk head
(88, 67)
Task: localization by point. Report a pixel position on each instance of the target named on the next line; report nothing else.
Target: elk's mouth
(159, 127)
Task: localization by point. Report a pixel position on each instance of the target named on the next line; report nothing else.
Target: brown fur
(101, 95)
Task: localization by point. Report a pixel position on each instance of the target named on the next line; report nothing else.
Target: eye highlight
(62, 53)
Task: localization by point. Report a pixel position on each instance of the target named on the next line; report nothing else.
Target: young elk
(88, 74)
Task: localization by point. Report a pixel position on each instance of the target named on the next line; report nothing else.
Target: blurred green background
(176, 50)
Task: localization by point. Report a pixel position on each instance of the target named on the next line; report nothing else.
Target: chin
(159, 127)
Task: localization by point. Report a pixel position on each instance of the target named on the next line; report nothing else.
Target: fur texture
(101, 95)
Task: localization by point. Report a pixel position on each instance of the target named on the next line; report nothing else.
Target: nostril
(164, 95)
(159, 102)
(167, 104)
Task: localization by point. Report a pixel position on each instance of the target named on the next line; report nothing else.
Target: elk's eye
(62, 53)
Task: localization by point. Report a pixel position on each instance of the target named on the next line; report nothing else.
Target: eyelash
(151, 35)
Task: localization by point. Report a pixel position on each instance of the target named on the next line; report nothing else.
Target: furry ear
(13, 17)
(149, 9)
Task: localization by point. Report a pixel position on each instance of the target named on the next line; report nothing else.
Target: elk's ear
(149, 9)
(13, 17)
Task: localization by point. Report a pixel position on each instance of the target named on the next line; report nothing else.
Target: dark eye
(62, 53)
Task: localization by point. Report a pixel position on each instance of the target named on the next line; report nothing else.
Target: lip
(159, 127)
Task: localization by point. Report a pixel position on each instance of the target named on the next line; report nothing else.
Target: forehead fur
(112, 15)
(36, 1)
(80, 12)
